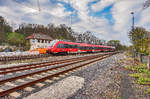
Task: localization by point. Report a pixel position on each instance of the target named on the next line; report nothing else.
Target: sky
(106, 19)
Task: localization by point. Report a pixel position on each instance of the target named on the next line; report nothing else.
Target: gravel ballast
(88, 83)
(93, 82)
(98, 77)
(60, 90)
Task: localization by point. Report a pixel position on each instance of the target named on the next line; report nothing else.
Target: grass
(148, 91)
(139, 68)
(142, 73)
(136, 75)
(119, 97)
(143, 80)
(121, 60)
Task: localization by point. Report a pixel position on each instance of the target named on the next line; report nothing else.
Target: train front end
(51, 48)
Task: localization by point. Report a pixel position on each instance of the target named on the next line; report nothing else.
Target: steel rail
(6, 92)
(2, 69)
(34, 66)
(41, 71)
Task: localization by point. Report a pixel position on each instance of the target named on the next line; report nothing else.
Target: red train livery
(66, 47)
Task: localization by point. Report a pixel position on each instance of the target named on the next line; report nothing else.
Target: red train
(66, 47)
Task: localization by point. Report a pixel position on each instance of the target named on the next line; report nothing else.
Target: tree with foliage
(56, 32)
(140, 38)
(116, 44)
(16, 39)
(88, 37)
(5, 29)
(146, 4)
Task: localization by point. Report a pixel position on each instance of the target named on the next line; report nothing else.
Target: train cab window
(59, 46)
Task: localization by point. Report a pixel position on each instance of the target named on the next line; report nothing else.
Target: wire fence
(143, 58)
(7, 56)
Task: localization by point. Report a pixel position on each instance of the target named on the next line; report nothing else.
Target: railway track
(41, 72)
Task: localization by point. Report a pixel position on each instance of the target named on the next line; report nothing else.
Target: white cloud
(59, 11)
(102, 4)
(144, 17)
(28, 12)
(56, 13)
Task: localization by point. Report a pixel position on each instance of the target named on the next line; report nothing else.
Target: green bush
(136, 75)
(142, 80)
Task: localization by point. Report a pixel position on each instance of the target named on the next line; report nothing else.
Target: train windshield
(52, 43)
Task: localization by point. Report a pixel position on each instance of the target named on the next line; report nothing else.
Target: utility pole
(132, 20)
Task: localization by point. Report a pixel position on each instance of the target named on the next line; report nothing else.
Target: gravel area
(130, 89)
(126, 90)
(99, 78)
(69, 86)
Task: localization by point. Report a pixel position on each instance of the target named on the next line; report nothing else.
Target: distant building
(39, 40)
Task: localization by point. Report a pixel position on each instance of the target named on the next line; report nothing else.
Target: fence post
(148, 62)
(141, 60)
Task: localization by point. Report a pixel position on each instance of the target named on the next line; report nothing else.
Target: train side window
(86, 47)
(65, 46)
(75, 46)
(69, 46)
(81, 47)
(72, 46)
(78, 46)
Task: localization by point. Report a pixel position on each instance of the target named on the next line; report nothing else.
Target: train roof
(83, 44)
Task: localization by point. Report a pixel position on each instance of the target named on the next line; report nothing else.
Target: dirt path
(126, 89)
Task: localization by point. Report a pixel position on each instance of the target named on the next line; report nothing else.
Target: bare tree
(146, 4)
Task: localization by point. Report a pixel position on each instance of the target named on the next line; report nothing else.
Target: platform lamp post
(134, 51)
(132, 13)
